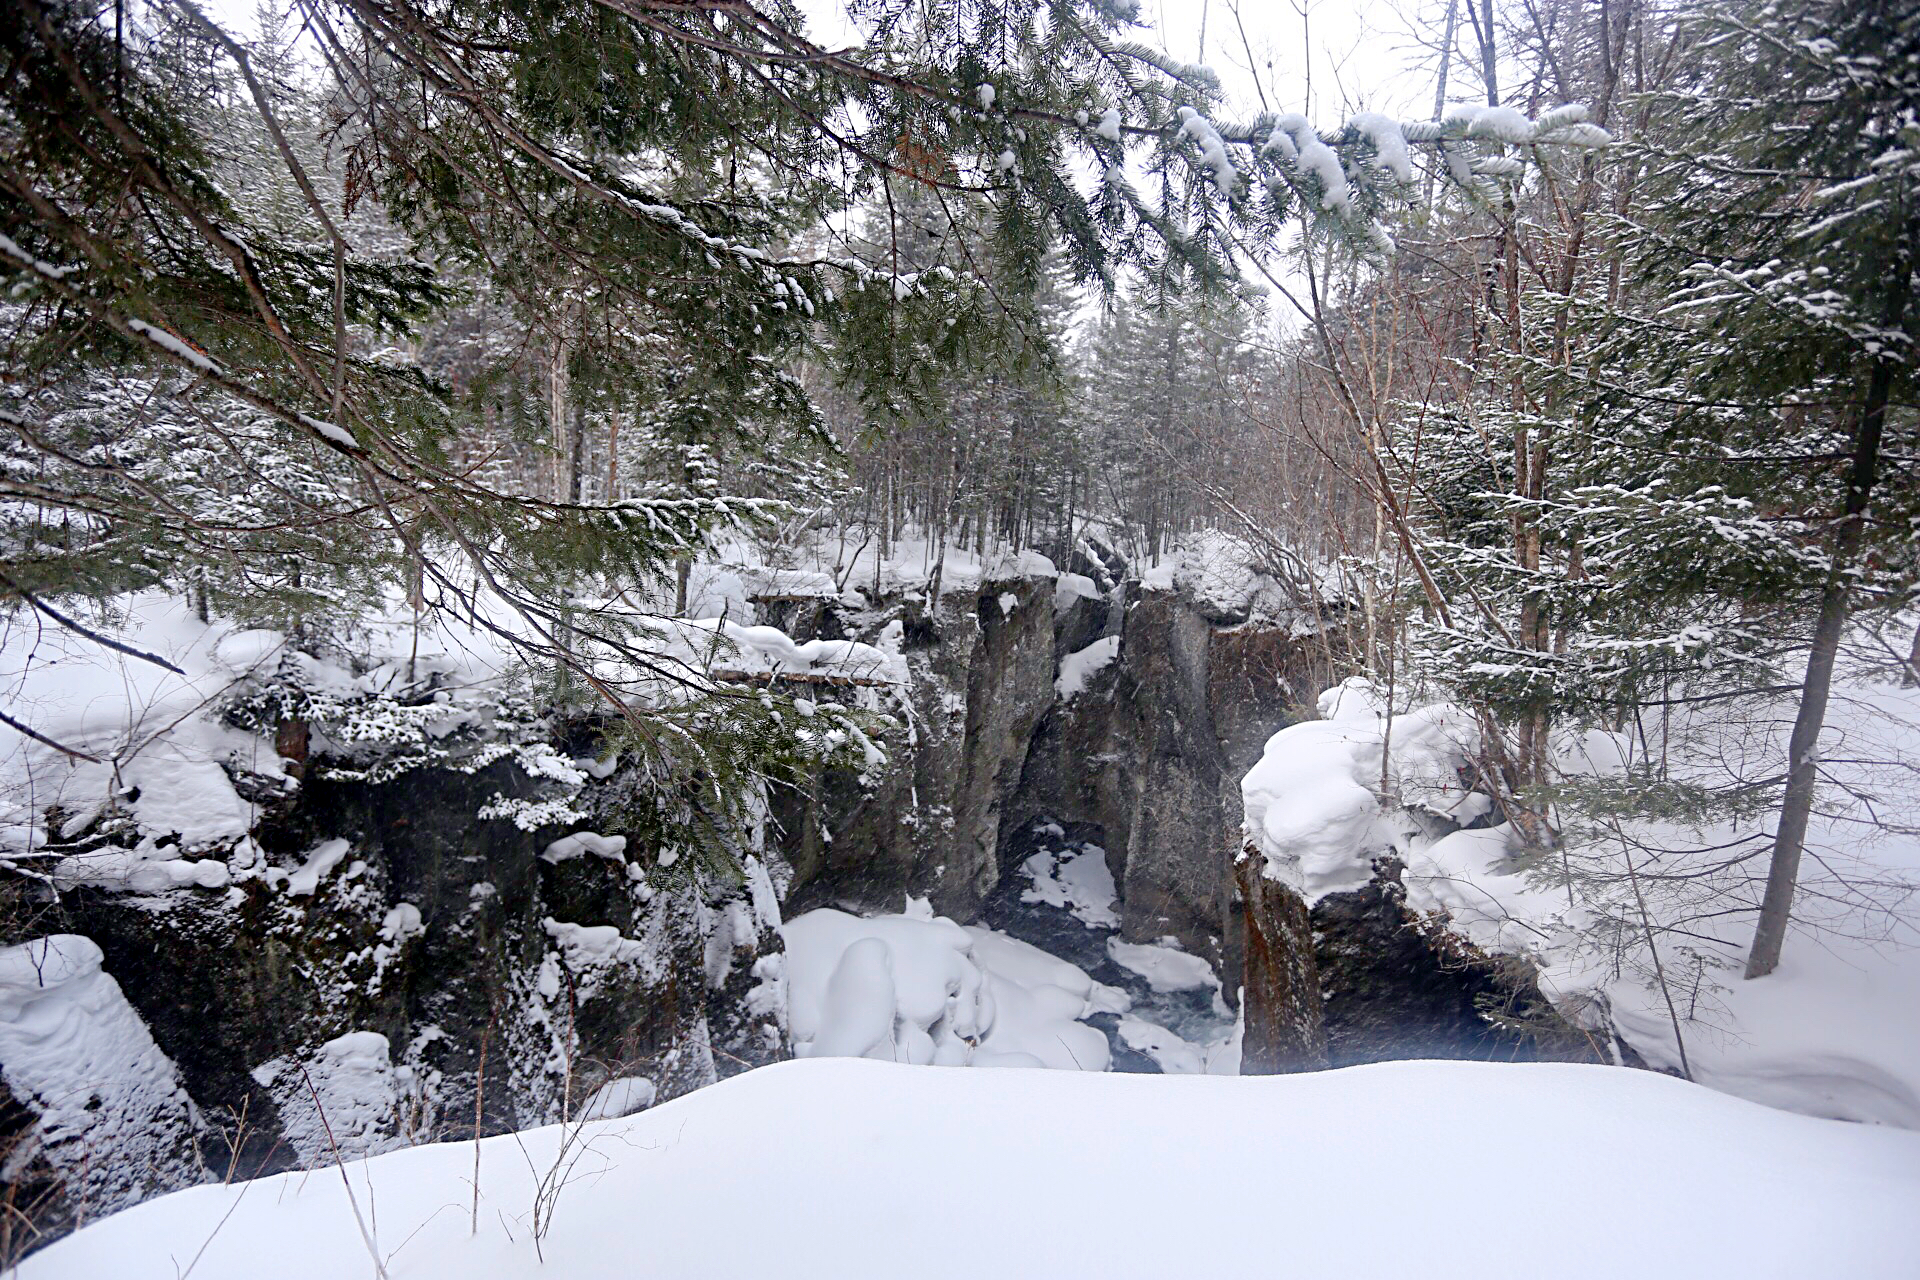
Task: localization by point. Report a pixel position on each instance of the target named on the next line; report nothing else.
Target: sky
(1361, 55)
(1324, 58)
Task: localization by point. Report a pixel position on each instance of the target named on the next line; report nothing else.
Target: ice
(1078, 882)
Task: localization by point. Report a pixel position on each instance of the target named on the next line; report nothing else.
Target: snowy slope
(1832, 1033)
(846, 1168)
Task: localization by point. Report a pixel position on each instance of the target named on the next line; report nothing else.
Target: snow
(1109, 126)
(619, 1097)
(1389, 144)
(1075, 881)
(1072, 587)
(1213, 150)
(166, 759)
(321, 859)
(343, 1098)
(1217, 570)
(921, 989)
(585, 946)
(761, 581)
(842, 1168)
(1311, 804)
(771, 651)
(1016, 566)
(1830, 1033)
(173, 346)
(13, 250)
(1293, 139)
(572, 846)
(401, 922)
(986, 94)
(329, 431)
(1078, 668)
(1164, 965)
(1308, 812)
(1501, 124)
(1818, 1036)
(78, 1056)
(1172, 1054)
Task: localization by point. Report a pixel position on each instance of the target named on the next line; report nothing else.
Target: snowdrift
(849, 1168)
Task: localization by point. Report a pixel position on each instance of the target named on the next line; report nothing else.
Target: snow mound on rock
(924, 990)
(113, 1120)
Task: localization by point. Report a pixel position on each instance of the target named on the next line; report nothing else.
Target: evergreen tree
(1731, 423)
(1783, 240)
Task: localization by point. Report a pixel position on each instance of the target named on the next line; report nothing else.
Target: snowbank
(921, 989)
(1312, 800)
(1829, 1034)
(839, 1168)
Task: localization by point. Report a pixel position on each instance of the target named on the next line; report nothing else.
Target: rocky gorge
(405, 971)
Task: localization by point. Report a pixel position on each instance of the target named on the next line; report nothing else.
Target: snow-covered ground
(843, 1168)
(1833, 1032)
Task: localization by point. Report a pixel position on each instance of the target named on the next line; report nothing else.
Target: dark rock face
(562, 975)
(1281, 1001)
(1396, 987)
(1152, 753)
(931, 823)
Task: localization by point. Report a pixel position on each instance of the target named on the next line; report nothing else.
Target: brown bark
(1803, 748)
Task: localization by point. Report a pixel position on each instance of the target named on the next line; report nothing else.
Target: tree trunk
(613, 455)
(559, 419)
(1803, 751)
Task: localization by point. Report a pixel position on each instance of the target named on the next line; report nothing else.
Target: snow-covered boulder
(921, 989)
(109, 1120)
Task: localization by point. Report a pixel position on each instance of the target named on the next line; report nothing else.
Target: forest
(595, 592)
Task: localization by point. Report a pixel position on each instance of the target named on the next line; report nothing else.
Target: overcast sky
(1361, 53)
